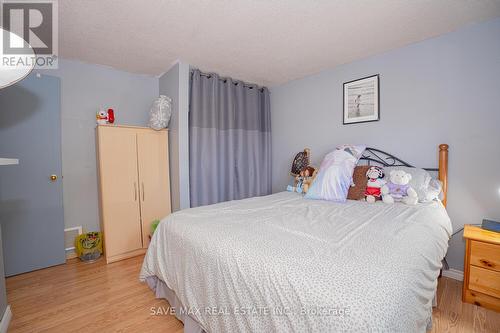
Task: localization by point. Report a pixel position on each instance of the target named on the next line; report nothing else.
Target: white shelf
(8, 161)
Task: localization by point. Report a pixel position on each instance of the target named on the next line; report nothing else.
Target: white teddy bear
(398, 189)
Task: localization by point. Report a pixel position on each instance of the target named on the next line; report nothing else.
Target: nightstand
(482, 268)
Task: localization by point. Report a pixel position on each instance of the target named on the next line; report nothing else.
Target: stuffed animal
(101, 117)
(105, 117)
(375, 175)
(398, 189)
(309, 173)
(302, 172)
(297, 184)
(303, 180)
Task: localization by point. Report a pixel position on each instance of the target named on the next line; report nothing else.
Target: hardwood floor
(109, 298)
(451, 315)
(79, 297)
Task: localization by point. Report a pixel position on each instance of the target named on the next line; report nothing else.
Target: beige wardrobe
(134, 186)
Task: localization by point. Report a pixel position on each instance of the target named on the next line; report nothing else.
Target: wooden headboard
(379, 157)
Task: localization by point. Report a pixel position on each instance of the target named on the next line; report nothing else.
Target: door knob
(53, 178)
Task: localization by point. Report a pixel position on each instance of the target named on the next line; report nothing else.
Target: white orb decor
(160, 112)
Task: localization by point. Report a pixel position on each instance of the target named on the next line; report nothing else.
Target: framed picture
(361, 100)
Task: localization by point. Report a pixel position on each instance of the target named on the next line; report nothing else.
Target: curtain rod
(223, 79)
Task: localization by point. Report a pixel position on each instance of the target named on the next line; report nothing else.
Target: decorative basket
(301, 160)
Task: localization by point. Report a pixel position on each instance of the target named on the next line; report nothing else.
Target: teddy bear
(398, 189)
(375, 175)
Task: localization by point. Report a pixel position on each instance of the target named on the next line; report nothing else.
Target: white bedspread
(281, 263)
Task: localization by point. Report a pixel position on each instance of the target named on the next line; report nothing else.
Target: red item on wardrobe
(111, 116)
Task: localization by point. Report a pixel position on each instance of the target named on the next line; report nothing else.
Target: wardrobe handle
(135, 191)
(142, 184)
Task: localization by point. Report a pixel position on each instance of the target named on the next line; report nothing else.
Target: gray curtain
(229, 140)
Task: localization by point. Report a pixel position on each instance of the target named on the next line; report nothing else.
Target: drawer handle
(486, 263)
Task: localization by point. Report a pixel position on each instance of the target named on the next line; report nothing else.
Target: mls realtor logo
(35, 22)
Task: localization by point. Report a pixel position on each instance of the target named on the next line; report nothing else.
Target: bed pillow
(335, 174)
(359, 181)
(434, 191)
(420, 180)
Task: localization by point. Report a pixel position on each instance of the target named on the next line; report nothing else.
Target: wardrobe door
(153, 178)
(119, 191)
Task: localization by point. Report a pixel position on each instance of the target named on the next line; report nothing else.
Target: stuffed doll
(374, 184)
(398, 189)
(302, 172)
(303, 180)
(101, 117)
(309, 173)
(297, 184)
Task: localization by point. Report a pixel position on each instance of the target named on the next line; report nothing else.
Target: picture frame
(361, 102)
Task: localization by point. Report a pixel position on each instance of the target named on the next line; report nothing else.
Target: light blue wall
(85, 88)
(175, 84)
(3, 290)
(442, 90)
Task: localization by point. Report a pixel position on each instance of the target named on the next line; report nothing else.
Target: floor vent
(69, 240)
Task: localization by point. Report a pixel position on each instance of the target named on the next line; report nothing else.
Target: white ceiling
(263, 41)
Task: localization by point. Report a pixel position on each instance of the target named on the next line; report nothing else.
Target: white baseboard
(453, 274)
(70, 254)
(4, 324)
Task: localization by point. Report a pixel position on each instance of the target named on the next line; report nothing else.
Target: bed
(280, 263)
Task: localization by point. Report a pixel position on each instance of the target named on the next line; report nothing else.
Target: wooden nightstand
(482, 268)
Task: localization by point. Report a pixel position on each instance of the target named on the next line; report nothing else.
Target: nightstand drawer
(485, 281)
(485, 255)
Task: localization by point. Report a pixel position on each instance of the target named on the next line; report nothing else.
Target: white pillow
(434, 191)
